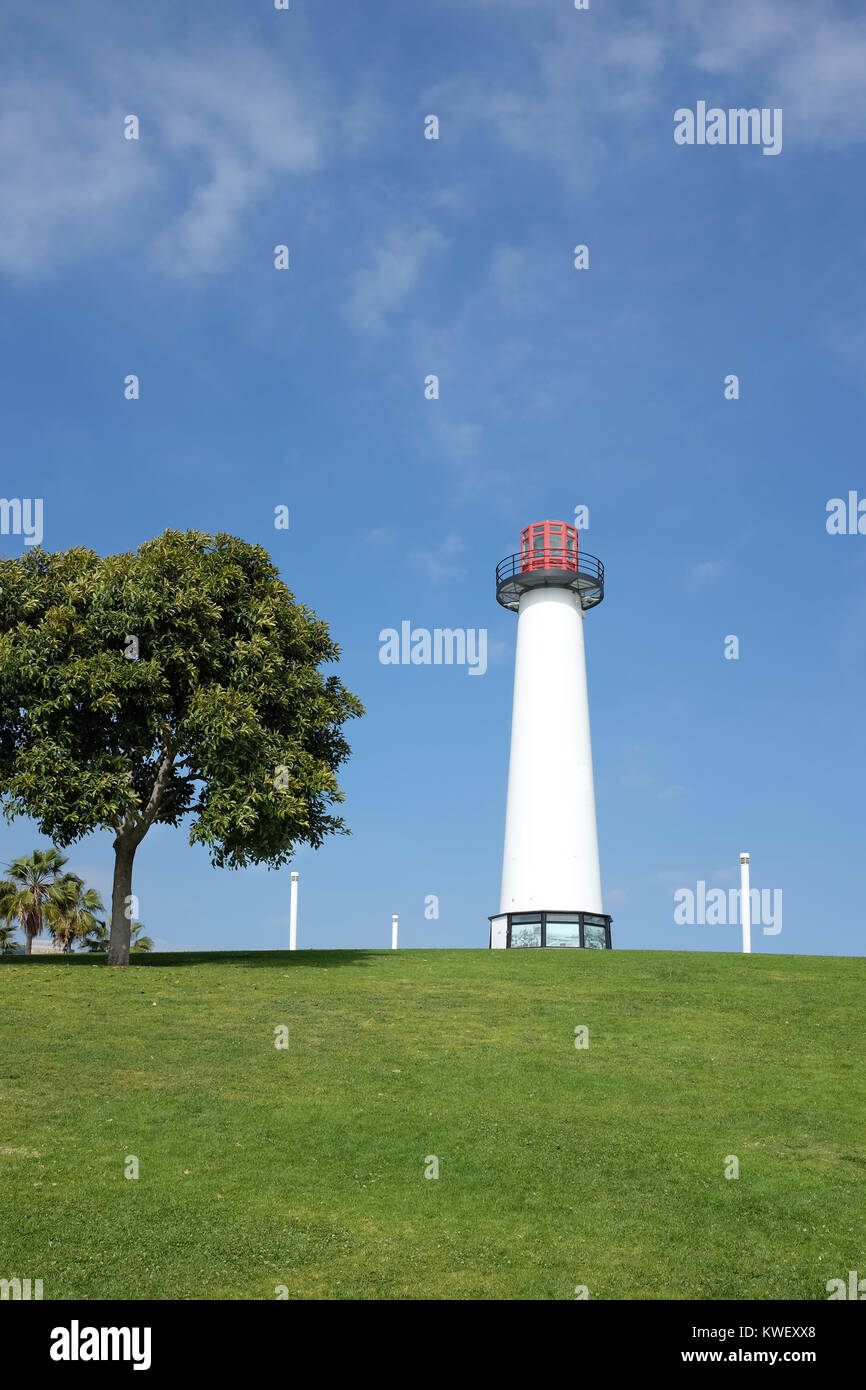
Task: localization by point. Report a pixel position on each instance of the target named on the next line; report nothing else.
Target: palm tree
(139, 942)
(97, 938)
(32, 880)
(8, 944)
(70, 910)
(7, 915)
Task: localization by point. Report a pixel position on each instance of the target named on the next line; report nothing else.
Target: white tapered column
(745, 904)
(550, 861)
(293, 913)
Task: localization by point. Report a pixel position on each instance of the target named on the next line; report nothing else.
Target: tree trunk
(129, 837)
(121, 910)
(28, 942)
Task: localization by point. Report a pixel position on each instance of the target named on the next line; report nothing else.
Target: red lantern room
(548, 558)
(548, 545)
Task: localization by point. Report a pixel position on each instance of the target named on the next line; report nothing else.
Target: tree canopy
(177, 682)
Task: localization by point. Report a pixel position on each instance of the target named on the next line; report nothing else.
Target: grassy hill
(305, 1167)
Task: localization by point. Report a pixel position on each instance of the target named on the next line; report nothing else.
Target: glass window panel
(594, 938)
(562, 933)
(527, 917)
(525, 934)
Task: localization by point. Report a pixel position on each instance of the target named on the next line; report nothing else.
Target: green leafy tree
(179, 682)
(32, 879)
(70, 912)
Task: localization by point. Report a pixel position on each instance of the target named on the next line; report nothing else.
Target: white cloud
(725, 875)
(498, 650)
(379, 535)
(225, 126)
(615, 896)
(457, 446)
(809, 58)
(218, 133)
(556, 107)
(381, 288)
(67, 177)
(577, 99)
(95, 876)
(237, 120)
(442, 563)
(707, 571)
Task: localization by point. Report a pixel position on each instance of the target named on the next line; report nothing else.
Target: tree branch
(140, 827)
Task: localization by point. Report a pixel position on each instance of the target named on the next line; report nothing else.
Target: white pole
(745, 904)
(293, 914)
(394, 921)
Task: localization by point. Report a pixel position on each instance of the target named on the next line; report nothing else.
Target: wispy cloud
(241, 125)
(807, 58)
(615, 897)
(557, 106)
(706, 571)
(673, 793)
(442, 562)
(68, 179)
(573, 99)
(217, 132)
(811, 59)
(381, 288)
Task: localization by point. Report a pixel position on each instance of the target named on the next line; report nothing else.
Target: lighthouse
(551, 880)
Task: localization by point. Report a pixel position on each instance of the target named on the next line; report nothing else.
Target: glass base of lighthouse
(580, 930)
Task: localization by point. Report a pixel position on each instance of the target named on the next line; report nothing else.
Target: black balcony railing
(583, 574)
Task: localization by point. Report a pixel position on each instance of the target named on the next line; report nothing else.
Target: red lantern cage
(548, 545)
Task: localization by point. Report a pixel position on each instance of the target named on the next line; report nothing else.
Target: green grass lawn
(305, 1167)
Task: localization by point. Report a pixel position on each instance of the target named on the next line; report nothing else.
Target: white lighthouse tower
(551, 881)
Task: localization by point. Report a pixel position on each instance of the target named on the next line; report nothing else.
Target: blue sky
(558, 388)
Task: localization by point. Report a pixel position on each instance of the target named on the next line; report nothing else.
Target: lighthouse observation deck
(549, 557)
